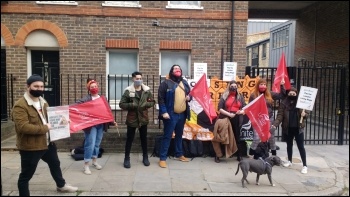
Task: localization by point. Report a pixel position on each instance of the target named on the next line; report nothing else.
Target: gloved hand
(166, 116)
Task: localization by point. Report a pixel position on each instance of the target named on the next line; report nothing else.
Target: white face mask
(137, 82)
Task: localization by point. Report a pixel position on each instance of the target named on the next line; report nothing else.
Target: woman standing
(293, 123)
(261, 88)
(93, 135)
(230, 106)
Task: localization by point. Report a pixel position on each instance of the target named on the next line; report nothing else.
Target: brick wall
(82, 32)
(322, 33)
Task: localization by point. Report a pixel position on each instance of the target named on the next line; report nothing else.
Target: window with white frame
(264, 50)
(121, 64)
(122, 3)
(58, 2)
(184, 5)
(169, 58)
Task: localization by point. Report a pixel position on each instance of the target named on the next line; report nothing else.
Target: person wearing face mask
(137, 99)
(230, 105)
(173, 98)
(29, 115)
(270, 97)
(293, 124)
(94, 134)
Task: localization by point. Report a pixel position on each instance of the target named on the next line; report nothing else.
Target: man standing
(173, 98)
(137, 99)
(29, 114)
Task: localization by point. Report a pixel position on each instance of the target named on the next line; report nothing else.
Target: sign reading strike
(306, 98)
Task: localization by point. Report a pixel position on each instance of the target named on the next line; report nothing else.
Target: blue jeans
(29, 163)
(92, 142)
(175, 123)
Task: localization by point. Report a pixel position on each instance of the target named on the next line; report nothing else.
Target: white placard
(230, 71)
(306, 98)
(199, 69)
(59, 120)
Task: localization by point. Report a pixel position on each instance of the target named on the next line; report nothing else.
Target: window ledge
(184, 7)
(55, 3)
(116, 5)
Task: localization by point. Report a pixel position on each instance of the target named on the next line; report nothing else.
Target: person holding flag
(261, 89)
(93, 135)
(230, 105)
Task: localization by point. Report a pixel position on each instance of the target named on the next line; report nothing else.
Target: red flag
(200, 92)
(281, 73)
(259, 117)
(89, 114)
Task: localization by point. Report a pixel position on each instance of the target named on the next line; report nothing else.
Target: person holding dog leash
(261, 88)
(293, 123)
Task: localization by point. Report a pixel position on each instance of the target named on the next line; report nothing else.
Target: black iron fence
(328, 122)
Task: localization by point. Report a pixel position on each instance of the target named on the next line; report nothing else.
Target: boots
(274, 152)
(127, 162)
(145, 160)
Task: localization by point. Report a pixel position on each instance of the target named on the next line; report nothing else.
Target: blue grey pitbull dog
(259, 166)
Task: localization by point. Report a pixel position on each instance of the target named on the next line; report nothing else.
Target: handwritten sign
(59, 120)
(199, 70)
(230, 71)
(306, 98)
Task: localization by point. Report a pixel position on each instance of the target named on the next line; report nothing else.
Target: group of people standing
(29, 114)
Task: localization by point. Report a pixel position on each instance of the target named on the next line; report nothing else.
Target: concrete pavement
(328, 174)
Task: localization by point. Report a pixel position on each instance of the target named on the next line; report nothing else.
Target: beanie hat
(34, 78)
(293, 89)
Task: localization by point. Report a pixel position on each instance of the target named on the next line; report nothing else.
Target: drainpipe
(232, 23)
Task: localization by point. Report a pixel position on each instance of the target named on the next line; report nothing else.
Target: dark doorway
(3, 86)
(46, 64)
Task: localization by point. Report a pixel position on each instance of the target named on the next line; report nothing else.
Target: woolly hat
(34, 78)
(293, 89)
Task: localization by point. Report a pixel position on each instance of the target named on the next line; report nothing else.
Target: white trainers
(87, 170)
(304, 170)
(287, 164)
(97, 166)
(67, 189)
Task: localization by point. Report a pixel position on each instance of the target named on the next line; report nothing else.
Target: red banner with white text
(88, 114)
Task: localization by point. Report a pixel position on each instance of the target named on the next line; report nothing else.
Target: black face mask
(36, 93)
(233, 89)
(293, 97)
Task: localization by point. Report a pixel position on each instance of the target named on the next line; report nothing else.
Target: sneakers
(67, 188)
(182, 158)
(87, 170)
(162, 164)
(304, 170)
(97, 166)
(287, 164)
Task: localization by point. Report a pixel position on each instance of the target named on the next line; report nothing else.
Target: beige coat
(223, 129)
(31, 132)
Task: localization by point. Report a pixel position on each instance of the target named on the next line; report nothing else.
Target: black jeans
(29, 163)
(299, 139)
(130, 134)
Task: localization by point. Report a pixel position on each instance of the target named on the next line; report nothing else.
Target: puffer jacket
(137, 106)
(283, 116)
(30, 130)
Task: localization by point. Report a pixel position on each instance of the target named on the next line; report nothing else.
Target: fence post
(248, 70)
(341, 106)
(292, 75)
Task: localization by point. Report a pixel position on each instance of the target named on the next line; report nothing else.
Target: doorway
(46, 64)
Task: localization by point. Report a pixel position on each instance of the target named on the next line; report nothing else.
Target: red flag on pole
(281, 73)
(200, 92)
(88, 114)
(259, 117)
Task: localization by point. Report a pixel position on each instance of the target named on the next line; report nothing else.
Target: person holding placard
(29, 114)
(293, 123)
